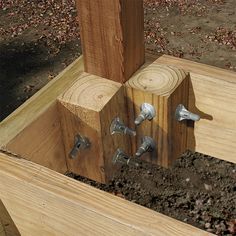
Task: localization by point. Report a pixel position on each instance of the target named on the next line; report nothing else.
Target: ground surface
(39, 38)
(198, 190)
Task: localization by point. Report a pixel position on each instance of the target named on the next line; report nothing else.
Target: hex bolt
(148, 112)
(80, 143)
(147, 145)
(118, 127)
(122, 158)
(182, 113)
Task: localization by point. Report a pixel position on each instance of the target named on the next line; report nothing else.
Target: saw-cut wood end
(91, 92)
(157, 79)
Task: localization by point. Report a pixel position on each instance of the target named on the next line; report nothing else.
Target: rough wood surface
(87, 109)
(41, 141)
(39, 103)
(112, 34)
(212, 95)
(164, 87)
(44, 202)
(7, 226)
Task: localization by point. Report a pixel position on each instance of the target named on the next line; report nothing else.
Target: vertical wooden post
(87, 109)
(164, 87)
(112, 34)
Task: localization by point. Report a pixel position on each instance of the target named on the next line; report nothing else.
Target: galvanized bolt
(182, 113)
(122, 158)
(148, 112)
(80, 143)
(147, 145)
(117, 126)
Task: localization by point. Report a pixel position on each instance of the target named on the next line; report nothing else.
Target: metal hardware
(182, 113)
(148, 112)
(147, 145)
(117, 126)
(80, 143)
(122, 158)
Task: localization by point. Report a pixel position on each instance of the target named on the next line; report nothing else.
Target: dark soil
(39, 38)
(198, 189)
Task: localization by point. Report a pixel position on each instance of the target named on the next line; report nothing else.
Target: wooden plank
(7, 226)
(164, 87)
(39, 103)
(41, 141)
(87, 109)
(212, 95)
(112, 34)
(47, 203)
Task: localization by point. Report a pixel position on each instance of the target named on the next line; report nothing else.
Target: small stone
(208, 187)
(207, 225)
(187, 180)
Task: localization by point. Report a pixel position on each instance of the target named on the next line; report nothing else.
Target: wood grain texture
(47, 203)
(164, 87)
(88, 108)
(7, 226)
(112, 34)
(212, 95)
(39, 103)
(41, 141)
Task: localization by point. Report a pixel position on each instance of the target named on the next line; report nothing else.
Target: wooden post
(87, 109)
(164, 87)
(112, 34)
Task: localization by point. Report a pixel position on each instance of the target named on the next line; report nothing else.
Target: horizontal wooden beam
(44, 202)
(38, 103)
(33, 131)
(7, 226)
(212, 94)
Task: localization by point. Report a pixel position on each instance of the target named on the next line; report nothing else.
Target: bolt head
(149, 110)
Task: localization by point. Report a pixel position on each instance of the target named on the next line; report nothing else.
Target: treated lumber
(164, 87)
(7, 226)
(44, 202)
(41, 141)
(38, 103)
(212, 93)
(87, 108)
(33, 130)
(112, 34)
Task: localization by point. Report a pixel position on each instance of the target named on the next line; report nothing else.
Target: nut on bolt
(182, 113)
(118, 127)
(148, 112)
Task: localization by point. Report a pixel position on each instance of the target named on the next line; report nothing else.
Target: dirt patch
(38, 39)
(198, 189)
